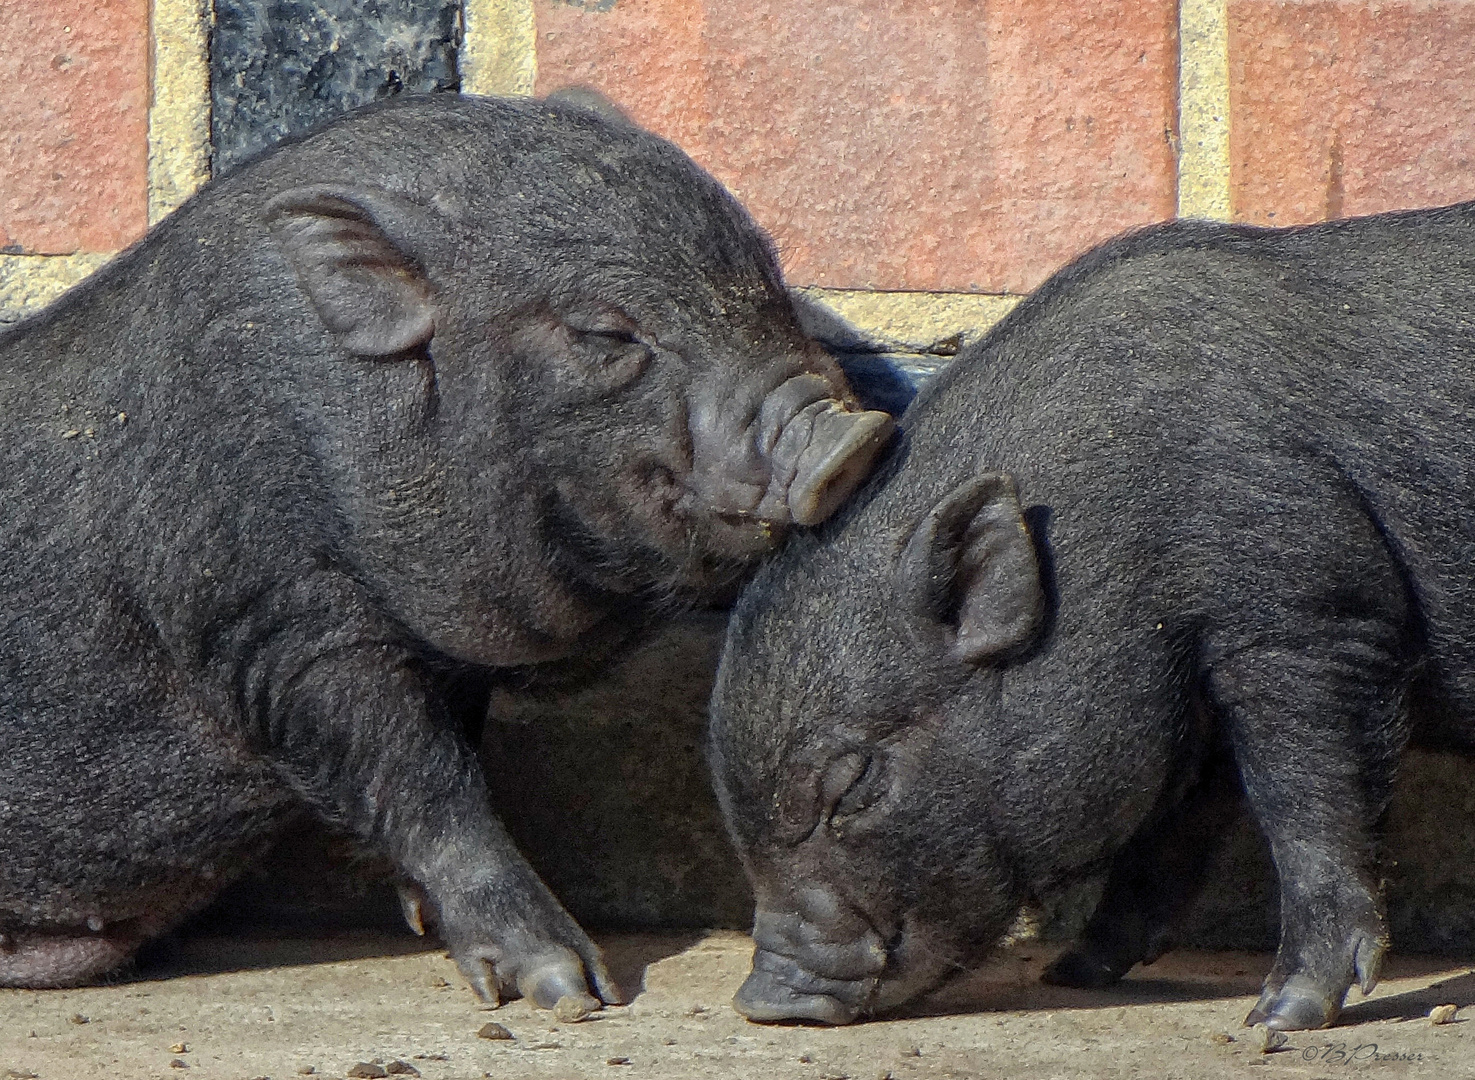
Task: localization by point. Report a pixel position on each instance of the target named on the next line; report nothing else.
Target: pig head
(587, 340)
(854, 801)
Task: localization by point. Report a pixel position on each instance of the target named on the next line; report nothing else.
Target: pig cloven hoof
(559, 980)
(1299, 1006)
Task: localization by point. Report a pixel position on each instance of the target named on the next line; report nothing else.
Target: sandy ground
(235, 1009)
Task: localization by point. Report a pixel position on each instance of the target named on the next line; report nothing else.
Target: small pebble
(178, 1063)
(78, 1018)
(1220, 1038)
(306, 1070)
(367, 1070)
(572, 1008)
(911, 1051)
(617, 1061)
(439, 982)
(493, 1030)
(401, 1068)
(179, 1048)
(1443, 1014)
(1266, 1040)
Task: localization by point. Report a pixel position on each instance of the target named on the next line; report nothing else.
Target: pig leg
(1317, 722)
(1152, 884)
(353, 729)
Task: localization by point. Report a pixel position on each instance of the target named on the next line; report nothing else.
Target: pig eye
(612, 357)
(862, 776)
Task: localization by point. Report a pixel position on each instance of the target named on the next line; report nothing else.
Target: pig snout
(794, 459)
(824, 971)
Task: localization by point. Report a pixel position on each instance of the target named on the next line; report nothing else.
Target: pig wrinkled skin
(1189, 531)
(450, 381)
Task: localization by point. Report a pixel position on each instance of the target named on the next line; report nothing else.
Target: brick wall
(945, 146)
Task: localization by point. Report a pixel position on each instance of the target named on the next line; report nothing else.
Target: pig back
(1196, 398)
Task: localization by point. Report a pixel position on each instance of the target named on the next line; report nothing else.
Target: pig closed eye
(852, 785)
(612, 358)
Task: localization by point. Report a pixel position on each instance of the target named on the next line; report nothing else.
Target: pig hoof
(555, 977)
(1084, 968)
(557, 981)
(1299, 1006)
(412, 906)
(480, 977)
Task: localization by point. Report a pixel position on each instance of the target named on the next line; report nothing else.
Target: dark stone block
(282, 67)
(605, 788)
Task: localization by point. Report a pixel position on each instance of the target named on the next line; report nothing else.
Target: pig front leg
(1317, 721)
(1153, 883)
(355, 731)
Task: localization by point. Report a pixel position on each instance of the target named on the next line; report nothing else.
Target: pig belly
(112, 831)
(1442, 704)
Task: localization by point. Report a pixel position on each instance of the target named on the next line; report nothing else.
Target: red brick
(73, 124)
(1346, 108)
(897, 144)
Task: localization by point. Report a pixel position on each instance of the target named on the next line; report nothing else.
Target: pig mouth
(661, 580)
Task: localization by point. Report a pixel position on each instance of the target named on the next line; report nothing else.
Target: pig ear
(367, 289)
(968, 577)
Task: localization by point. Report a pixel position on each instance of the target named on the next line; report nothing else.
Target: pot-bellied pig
(451, 380)
(1191, 526)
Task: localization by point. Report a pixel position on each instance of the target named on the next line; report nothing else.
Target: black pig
(452, 380)
(1191, 526)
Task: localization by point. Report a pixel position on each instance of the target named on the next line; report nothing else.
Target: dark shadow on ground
(629, 955)
(1012, 982)
(1413, 1004)
(186, 953)
(200, 954)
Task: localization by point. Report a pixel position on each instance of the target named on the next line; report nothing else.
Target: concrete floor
(234, 1009)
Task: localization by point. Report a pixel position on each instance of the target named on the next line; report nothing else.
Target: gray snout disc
(765, 1000)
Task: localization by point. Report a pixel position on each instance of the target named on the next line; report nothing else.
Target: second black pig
(452, 380)
(1191, 527)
